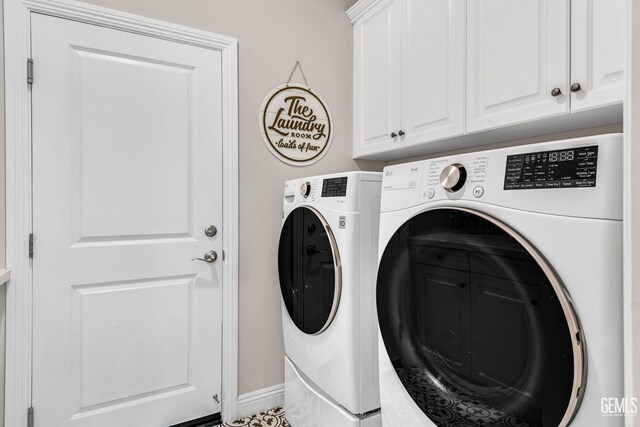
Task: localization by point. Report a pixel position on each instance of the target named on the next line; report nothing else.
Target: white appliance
(499, 290)
(326, 262)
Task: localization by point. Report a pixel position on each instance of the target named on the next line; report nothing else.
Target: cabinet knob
(576, 87)
(393, 134)
(556, 92)
(401, 133)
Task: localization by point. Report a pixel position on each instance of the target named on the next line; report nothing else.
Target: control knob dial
(453, 177)
(305, 189)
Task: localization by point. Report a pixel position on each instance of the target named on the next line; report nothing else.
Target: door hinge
(30, 245)
(29, 71)
(223, 256)
(30, 417)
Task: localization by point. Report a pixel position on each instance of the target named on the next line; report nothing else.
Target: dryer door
(309, 270)
(478, 327)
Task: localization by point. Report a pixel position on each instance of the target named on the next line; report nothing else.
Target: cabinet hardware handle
(401, 133)
(576, 87)
(556, 92)
(393, 134)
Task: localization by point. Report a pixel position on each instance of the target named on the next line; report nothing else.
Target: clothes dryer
(326, 262)
(499, 291)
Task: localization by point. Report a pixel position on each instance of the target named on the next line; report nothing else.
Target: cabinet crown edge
(360, 8)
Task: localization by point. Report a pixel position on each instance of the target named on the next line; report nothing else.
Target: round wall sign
(295, 124)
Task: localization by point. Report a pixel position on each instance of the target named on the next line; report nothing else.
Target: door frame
(631, 232)
(19, 186)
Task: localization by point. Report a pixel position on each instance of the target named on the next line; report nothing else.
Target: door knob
(401, 133)
(209, 256)
(576, 87)
(556, 92)
(210, 231)
(393, 134)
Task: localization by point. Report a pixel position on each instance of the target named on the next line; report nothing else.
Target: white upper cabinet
(408, 74)
(433, 70)
(438, 75)
(517, 61)
(597, 53)
(377, 56)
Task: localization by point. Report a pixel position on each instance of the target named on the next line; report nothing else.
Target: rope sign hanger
(298, 65)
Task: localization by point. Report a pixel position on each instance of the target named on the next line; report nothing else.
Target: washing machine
(327, 257)
(499, 291)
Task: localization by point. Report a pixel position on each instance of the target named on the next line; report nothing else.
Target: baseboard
(260, 400)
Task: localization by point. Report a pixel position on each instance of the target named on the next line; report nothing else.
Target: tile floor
(271, 418)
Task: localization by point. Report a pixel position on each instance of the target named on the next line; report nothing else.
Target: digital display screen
(334, 187)
(552, 169)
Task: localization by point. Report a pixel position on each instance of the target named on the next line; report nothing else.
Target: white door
(377, 72)
(126, 176)
(433, 80)
(597, 53)
(517, 60)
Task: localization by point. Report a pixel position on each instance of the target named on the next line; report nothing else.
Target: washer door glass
(309, 269)
(476, 325)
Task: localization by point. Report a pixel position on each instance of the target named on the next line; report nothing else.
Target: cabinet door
(517, 53)
(597, 52)
(433, 70)
(376, 85)
(441, 315)
(506, 342)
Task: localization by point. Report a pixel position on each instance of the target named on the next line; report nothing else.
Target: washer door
(478, 327)
(309, 269)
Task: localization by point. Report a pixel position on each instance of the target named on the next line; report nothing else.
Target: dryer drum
(309, 270)
(477, 325)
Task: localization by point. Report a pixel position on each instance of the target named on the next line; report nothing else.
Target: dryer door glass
(475, 324)
(309, 270)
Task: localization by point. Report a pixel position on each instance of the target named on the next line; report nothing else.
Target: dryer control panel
(575, 177)
(568, 168)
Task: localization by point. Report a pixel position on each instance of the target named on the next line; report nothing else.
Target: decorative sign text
(295, 124)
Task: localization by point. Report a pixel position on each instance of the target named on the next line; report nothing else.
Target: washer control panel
(334, 187)
(569, 168)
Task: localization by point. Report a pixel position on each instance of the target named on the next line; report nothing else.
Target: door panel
(597, 52)
(441, 310)
(517, 53)
(377, 87)
(128, 355)
(506, 346)
(104, 127)
(433, 80)
(127, 173)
